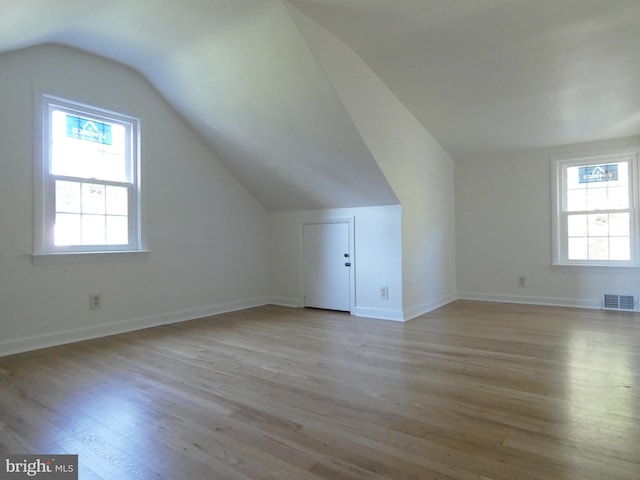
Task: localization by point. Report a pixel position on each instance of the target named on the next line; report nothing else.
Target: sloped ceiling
(242, 76)
(482, 76)
(485, 76)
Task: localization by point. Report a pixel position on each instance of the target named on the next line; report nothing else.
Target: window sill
(87, 257)
(585, 268)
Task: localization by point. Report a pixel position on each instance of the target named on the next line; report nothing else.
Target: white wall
(205, 231)
(420, 171)
(503, 206)
(377, 260)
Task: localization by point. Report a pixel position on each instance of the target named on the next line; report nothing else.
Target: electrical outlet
(95, 301)
(384, 293)
(521, 282)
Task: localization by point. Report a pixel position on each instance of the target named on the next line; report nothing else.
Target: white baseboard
(414, 312)
(379, 313)
(285, 302)
(407, 314)
(530, 300)
(26, 344)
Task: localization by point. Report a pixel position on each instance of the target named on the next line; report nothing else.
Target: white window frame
(559, 165)
(44, 191)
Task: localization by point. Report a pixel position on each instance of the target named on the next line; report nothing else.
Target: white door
(327, 264)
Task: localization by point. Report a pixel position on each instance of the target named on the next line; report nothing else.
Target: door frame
(352, 252)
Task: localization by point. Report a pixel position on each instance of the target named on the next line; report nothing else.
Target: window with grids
(90, 184)
(596, 211)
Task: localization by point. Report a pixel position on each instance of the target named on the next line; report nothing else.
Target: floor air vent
(614, 301)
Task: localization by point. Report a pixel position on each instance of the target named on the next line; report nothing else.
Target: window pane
(619, 224)
(595, 203)
(618, 197)
(117, 230)
(78, 148)
(573, 178)
(577, 225)
(599, 225)
(72, 158)
(117, 200)
(620, 248)
(623, 174)
(598, 248)
(93, 230)
(67, 197)
(577, 200)
(93, 198)
(67, 229)
(606, 186)
(61, 163)
(578, 249)
(597, 198)
(89, 170)
(112, 165)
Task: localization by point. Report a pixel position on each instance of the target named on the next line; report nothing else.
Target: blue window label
(598, 173)
(90, 130)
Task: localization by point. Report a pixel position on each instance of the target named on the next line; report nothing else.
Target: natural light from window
(594, 214)
(88, 213)
(89, 182)
(598, 215)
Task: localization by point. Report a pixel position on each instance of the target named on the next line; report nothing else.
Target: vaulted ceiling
(482, 76)
(493, 75)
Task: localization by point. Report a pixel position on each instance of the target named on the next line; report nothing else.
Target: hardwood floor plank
(473, 390)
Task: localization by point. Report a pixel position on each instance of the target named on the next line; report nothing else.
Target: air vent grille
(613, 301)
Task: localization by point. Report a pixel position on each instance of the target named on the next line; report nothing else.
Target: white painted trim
(36, 342)
(414, 312)
(85, 257)
(558, 163)
(44, 214)
(526, 300)
(379, 313)
(286, 302)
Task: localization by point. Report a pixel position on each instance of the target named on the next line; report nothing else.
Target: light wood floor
(471, 391)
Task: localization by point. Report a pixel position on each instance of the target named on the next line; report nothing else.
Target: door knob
(348, 264)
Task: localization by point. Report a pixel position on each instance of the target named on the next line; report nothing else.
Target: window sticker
(598, 173)
(90, 130)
